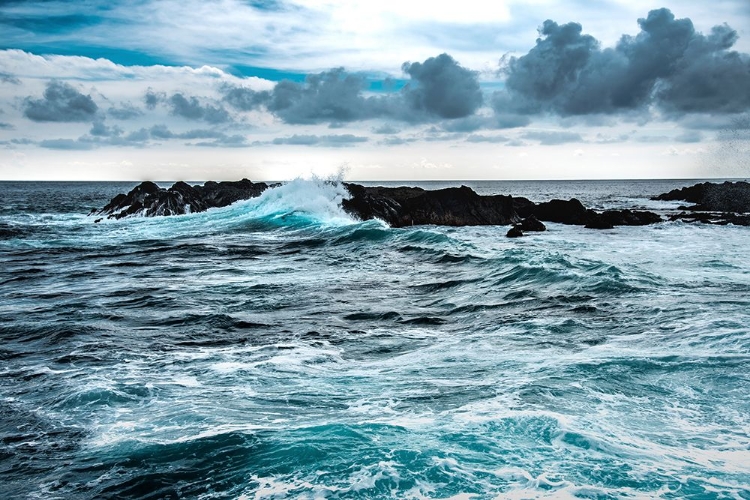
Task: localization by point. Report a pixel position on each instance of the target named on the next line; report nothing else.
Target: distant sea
(277, 348)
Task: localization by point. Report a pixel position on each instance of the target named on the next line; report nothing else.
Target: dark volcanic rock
(596, 221)
(718, 218)
(399, 206)
(565, 212)
(707, 196)
(531, 223)
(610, 218)
(514, 232)
(149, 200)
(407, 206)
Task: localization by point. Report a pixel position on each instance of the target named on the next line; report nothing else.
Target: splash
(315, 200)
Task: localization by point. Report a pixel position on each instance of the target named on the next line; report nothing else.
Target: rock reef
(149, 200)
(457, 206)
(725, 203)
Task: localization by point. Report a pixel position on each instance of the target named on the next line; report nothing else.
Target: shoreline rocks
(457, 206)
(149, 200)
(719, 204)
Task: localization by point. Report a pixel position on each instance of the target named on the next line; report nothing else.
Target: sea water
(280, 348)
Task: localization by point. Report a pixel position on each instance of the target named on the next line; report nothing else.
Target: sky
(386, 90)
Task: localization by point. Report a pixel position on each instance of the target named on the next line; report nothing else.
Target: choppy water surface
(277, 348)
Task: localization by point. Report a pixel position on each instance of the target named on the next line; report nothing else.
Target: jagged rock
(407, 206)
(712, 197)
(399, 206)
(514, 232)
(149, 200)
(626, 218)
(597, 221)
(717, 218)
(565, 212)
(531, 223)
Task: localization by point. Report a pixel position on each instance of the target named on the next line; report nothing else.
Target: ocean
(277, 348)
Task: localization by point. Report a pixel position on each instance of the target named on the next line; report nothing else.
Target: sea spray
(316, 200)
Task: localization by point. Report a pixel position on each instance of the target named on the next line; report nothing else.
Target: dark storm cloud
(442, 87)
(668, 63)
(61, 103)
(331, 96)
(439, 88)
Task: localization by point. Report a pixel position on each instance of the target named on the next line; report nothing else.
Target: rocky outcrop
(531, 223)
(408, 206)
(149, 200)
(716, 218)
(711, 197)
(611, 218)
(398, 206)
(725, 203)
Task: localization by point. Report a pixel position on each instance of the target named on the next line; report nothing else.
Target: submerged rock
(514, 232)
(149, 200)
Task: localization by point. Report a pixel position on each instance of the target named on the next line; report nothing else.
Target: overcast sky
(271, 90)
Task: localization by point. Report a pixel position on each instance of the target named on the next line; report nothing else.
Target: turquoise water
(277, 348)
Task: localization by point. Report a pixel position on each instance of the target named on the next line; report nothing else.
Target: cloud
(66, 144)
(162, 132)
(6, 126)
(320, 140)
(99, 129)
(386, 129)
(396, 141)
(189, 107)
(486, 138)
(126, 111)
(192, 109)
(61, 103)
(231, 141)
(690, 136)
(331, 96)
(551, 138)
(440, 86)
(8, 78)
(668, 63)
(245, 99)
(152, 98)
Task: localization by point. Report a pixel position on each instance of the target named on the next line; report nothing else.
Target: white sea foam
(316, 199)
